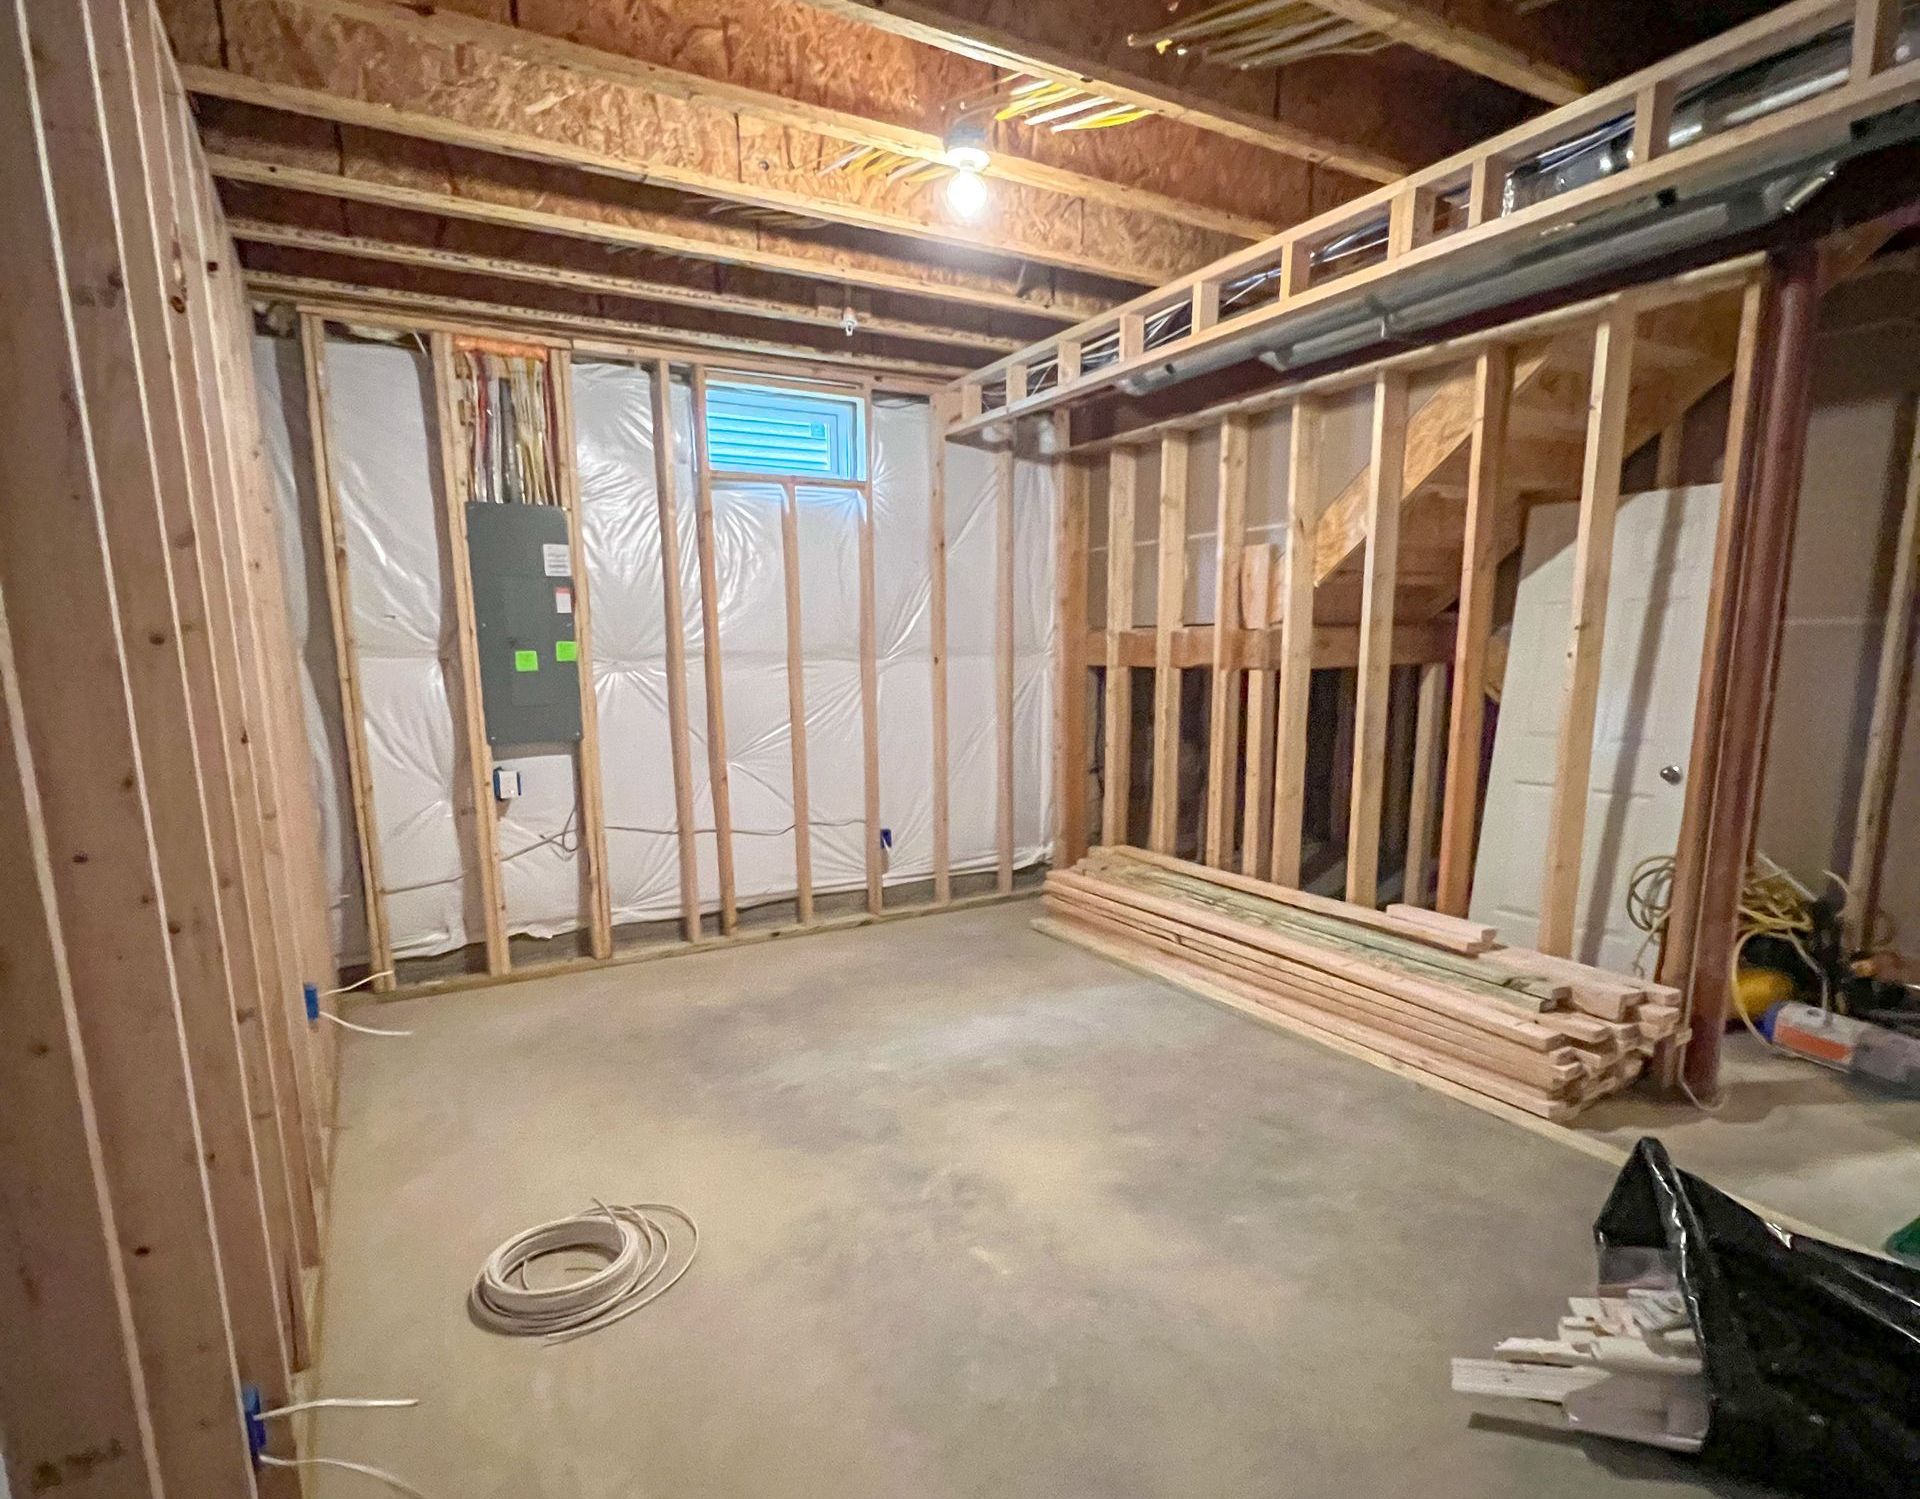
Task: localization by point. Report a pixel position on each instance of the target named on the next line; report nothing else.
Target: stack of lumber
(1428, 992)
(1624, 1366)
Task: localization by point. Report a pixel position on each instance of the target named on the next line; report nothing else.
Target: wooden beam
(346, 653)
(89, 867)
(1592, 568)
(797, 706)
(1304, 486)
(1003, 660)
(1056, 46)
(1428, 728)
(487, 200)
(870, 685)
(666, 502)
(229, 626)
(1334, 647)
(1116, 754)
(1746, 637)
(711, 660)
(360, 63)
(140, 184)
(1465, 46)
(753, 76)
(1170, 597)
(593, 839)
(1256, 803)
(814, 314)
(1479, 561)
(1891, 685)
(940, 414)
(1070, 657)
(1387, 466)
(1876, 37)
(1223, 719)
(483, 841)
(353, 300)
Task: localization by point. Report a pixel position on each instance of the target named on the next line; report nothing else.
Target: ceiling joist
(368, 64)
(633, 288)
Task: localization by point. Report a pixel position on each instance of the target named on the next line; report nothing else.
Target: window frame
(843, 444)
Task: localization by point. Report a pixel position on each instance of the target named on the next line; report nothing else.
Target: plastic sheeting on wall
(382, 446)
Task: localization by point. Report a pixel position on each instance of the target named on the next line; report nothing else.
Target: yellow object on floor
(1757, 990)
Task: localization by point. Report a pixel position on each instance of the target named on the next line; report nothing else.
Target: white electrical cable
(384, 973)
(366, 1470)
(365, 1030)
(638, 1256)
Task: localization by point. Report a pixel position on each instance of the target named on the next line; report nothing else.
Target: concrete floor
(981, 1215)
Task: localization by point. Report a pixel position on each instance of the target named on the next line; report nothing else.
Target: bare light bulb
(966, 193)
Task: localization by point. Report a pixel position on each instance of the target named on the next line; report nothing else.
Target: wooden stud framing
(1116, 752)
(1879, 84)
(484, 843)
(1876, 35)
(142, 188)
(1070, 657)
(1428, 729)
(1304, 501)
(710, 659)
(1486, 459)
(1667, 455)
(1744, 626)
(1003, 661)
(796, 705)
(1256, 816)
(1592, 567)
(165, 132)
(1387, 468)
(592, 799)
(870, 688)
(346, 651)
(1223, 725)
(942, 412)
(120, 425)
(1653, 119)
(666, 482)
(91, 854)
(1892, 683)
(1169, 614)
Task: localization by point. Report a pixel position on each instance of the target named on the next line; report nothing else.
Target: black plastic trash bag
(1812, 1352)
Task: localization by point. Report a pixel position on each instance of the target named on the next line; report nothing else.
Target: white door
(1643, 732)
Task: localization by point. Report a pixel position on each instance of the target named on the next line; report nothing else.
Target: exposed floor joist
(1472, 36)
(254, 146)
(367, 64)
(550, 273)
(647, 318)
(346, 299)
(605, 43)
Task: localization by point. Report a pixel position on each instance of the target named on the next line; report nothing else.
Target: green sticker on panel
(566, 650)
(526, 661)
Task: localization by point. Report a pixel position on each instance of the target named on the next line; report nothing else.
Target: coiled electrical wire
(640, 1268)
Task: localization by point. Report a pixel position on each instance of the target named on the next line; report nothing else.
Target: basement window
(762, 429)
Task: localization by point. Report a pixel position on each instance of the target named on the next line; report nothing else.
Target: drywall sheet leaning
(1650, 668)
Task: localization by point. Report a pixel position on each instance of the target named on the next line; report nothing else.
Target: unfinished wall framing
(765, 747)
(169, 1096)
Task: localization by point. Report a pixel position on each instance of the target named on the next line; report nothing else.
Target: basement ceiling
(777, 171)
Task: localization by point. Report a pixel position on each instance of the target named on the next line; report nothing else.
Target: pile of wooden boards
(1426, 991)
(1624, 1366)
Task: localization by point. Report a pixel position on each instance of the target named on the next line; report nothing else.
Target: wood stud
(1387, 468)
(1169, 614)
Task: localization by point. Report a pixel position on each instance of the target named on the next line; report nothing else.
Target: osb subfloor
(981, 1215)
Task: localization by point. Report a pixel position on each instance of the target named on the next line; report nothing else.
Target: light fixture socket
(965, 142)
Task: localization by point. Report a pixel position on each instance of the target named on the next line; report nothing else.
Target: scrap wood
(1497, 1025)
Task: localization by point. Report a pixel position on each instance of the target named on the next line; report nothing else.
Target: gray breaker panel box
(523, 605)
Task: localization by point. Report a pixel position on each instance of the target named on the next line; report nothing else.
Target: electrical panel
(522, 571)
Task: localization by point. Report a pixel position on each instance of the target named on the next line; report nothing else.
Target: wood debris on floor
(1620, 1366)
(1428, 991)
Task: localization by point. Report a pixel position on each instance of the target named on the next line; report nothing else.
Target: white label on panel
(563, 601)
(555, 560)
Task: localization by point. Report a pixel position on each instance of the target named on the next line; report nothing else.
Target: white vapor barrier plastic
(382, 446)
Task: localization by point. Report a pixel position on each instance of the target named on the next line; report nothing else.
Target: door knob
(1672, 774)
